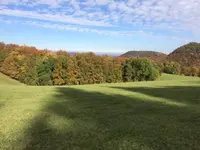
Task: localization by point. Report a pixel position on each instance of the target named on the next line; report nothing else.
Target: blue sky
(100, 25)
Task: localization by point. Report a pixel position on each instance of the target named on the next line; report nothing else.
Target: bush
(171, 68)
(160, 67)
(199, 72)
(190, 71)
(140, 69)
(194, 71)
(186, 71)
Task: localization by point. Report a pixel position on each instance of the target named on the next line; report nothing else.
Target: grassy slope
(163, 114)
(5, 80)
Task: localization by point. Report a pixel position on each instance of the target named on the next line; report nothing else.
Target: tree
(45, 68)
(141, 69)
(127, 71)
(60, 72)
(11, 65)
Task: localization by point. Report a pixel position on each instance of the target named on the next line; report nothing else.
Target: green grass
(160, 115)
(5, 80)
(177, 77)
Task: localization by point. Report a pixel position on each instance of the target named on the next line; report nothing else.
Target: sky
(108, 26)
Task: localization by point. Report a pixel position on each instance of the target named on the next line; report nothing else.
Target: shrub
(186, 71)
(160, 67)
(199, 72)
(190, 71)
(171, 68)
(194, 71)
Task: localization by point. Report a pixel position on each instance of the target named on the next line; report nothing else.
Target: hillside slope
(155, 56)
(186, 55)
(5, 80)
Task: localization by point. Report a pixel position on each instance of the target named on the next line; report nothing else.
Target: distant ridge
(186, 55)
(155, 56)
(97, 53)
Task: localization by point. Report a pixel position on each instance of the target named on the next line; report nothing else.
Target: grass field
(163, 114)
(5, 80)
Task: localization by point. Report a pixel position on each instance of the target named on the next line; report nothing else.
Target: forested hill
(155, 56)
(187, 55)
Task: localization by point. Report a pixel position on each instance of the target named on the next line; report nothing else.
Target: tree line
(42, 67)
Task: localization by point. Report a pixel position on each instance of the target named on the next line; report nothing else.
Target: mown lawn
(5, 80)
(160, 115)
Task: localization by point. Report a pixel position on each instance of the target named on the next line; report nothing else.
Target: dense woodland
(43, 67)
(187, 55)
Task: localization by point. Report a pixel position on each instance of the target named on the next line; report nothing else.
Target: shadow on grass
(184, 94)
(76, 119)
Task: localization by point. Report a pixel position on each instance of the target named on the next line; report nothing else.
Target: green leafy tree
(141, 69)
(45, 68)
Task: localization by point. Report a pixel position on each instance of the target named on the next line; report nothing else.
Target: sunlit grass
(5, 80)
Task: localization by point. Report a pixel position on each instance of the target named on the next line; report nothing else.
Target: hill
(186, 55)
(155, 56)
(5, 80)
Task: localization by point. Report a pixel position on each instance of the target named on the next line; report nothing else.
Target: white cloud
(115, 33)
(52, 17)
(102, 2)
(5, 2)
(177, 14)
(78, 29)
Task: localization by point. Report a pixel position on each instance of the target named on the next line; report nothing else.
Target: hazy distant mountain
(155, 56)
(98, 53)
(108, 53)
(187, 55)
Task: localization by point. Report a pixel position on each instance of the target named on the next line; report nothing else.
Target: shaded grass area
(92, 120)
(181, 94)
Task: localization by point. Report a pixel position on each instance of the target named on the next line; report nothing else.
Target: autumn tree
(60, 72)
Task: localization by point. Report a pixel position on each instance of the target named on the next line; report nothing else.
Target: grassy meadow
(5, 80)
(157, 115)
